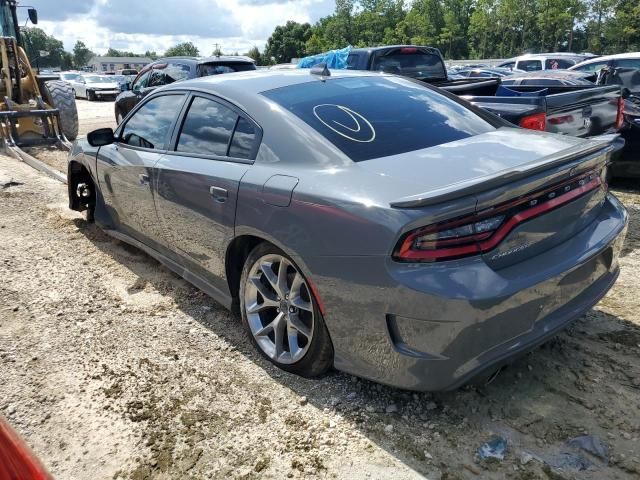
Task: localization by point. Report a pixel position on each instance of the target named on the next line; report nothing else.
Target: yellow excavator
(34, 109)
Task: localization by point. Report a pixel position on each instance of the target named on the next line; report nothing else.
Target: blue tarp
(336, 59)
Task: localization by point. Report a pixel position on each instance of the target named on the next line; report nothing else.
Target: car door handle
(144, 179)
(219, 194)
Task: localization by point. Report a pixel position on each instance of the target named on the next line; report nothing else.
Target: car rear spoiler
(595, 147)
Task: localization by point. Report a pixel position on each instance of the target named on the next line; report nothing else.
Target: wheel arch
(77, 172)
(237, 253)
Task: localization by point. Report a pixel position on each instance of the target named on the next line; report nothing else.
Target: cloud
(156, 25)
(201, 18)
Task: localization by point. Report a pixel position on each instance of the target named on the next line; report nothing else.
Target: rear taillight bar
(480, 233)
(537, 121)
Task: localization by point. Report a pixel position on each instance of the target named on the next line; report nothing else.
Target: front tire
(281, 315)
(60, 95)
(90, 95)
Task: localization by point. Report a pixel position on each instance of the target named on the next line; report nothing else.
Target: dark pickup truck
(578, 110)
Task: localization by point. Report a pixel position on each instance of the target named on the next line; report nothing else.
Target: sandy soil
(113, 367)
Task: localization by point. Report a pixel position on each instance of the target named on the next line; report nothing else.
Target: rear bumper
(434, 327)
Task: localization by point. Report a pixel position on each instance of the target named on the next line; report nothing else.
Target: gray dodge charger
(360, 220)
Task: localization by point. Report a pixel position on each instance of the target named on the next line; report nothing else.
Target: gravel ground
(113, 367)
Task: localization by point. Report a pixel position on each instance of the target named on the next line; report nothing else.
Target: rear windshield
(371, 117)
(530, 65)
(221, 67)
(410, 62)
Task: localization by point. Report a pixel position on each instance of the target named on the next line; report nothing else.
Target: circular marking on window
(351, 126)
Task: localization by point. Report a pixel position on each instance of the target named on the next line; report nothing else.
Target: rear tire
(304, 347)
(60, 95)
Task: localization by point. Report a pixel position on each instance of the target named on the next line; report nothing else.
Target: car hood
(104, 86)
(502, 151)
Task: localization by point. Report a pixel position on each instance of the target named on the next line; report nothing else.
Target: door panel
(126, 168)
(127, 178)
(196, 204)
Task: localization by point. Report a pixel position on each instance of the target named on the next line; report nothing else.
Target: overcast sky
(140, 25)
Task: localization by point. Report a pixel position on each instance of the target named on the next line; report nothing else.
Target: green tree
(288, 41)
(186, 49)
(112, 52)
(81, 54)
(43, 50)
(151, 54)
(255, 54)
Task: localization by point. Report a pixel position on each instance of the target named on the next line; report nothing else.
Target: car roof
(606, 58)
(241, 84)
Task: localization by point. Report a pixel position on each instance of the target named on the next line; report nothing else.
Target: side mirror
(101, 137)
(33, 15)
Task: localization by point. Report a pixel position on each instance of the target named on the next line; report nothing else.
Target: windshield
(410, 62)
(97, 79)
(372, 117)
(69, 76)
(229, 67)
(6, 19)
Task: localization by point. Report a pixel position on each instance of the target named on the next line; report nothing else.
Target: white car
(94, 87)
(544, 61)
(70, 77)
(621, 60)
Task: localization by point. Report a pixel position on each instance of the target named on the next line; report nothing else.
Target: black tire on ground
(319, 357)
(60, 95)
(90, 95)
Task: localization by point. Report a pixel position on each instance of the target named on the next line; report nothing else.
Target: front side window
(530, 65)
(141, 81)
(150, 124)
(207, 128)
(371, 117)
(591, 67)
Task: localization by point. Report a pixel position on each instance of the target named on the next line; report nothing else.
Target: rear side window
(169, 74)
(211, 128)
(557, 64)
(410, 62)
(530, 65)
(207, 128)
(243, 139)
(224, 67)
(149, 126)
(371, 117)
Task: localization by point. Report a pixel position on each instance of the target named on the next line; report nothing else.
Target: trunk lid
(541, 188)
(480, 163)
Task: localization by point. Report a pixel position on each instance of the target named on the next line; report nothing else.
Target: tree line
(461, 29)
(37, 42)
(464, 29)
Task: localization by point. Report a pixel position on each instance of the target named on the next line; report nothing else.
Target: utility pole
(218, 49)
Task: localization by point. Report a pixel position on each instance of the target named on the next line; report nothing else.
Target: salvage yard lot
(114, 367)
